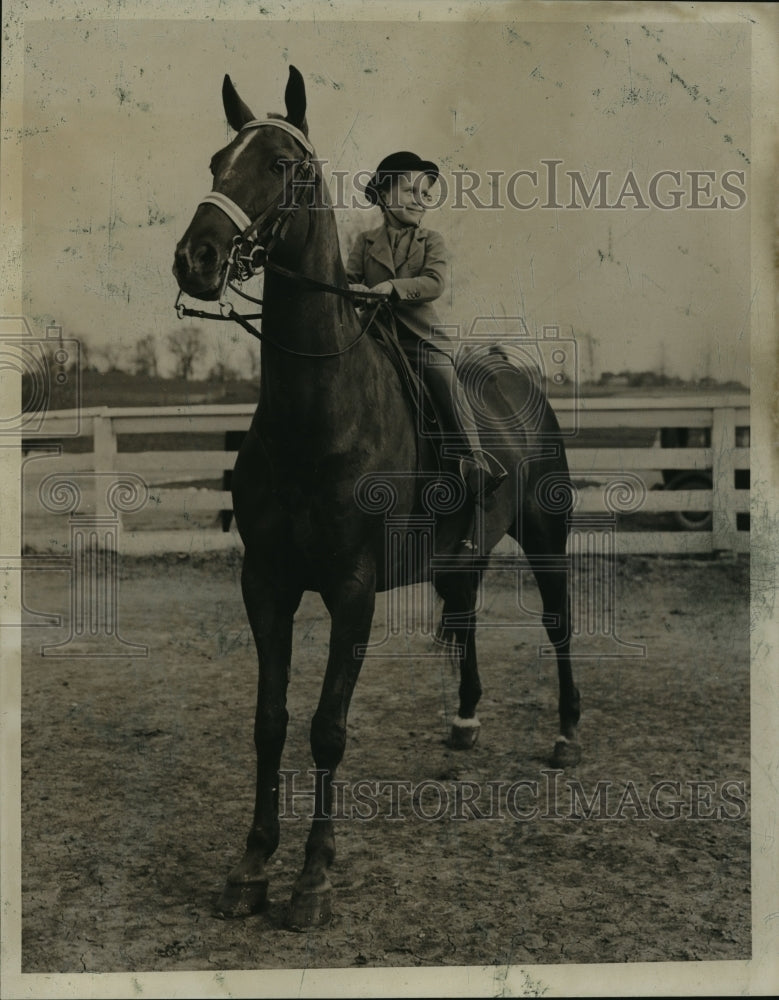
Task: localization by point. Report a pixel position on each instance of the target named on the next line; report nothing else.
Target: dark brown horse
(333, 447)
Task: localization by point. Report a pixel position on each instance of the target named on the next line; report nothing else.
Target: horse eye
(280, 166)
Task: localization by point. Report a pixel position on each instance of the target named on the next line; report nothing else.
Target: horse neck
(297, 390)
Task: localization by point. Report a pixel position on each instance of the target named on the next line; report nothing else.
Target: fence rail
(719, 503)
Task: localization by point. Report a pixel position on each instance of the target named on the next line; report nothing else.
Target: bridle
(256, 238)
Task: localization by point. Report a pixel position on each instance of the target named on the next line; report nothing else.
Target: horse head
(252, 192)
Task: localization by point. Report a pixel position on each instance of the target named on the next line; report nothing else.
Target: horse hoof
(464, 733)
(566, 753)
(310, 908)
(241, 899)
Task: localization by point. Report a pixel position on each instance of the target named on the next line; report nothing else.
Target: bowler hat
(394, 164)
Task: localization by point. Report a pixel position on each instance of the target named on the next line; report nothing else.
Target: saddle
(435, 419)
(431, 412)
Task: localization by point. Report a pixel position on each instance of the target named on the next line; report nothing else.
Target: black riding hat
(394, 164)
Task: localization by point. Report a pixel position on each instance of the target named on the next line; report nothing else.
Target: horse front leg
(270, 606)
(351, 605)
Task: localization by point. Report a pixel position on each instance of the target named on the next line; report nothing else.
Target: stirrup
(492, 471)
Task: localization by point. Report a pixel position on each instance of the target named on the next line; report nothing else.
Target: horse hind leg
(543, 540)
(457, 632)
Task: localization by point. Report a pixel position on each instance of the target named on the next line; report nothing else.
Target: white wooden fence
(611, 480)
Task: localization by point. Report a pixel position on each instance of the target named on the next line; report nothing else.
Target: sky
(121, 117)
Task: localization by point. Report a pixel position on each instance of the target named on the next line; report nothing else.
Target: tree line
(186, 350)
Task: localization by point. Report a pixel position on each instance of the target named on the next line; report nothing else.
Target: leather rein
(251, 248)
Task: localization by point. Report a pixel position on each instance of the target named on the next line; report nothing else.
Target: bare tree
(187, 347)
(145, 360)
(84, 360)
(113, 354)
(220, 371)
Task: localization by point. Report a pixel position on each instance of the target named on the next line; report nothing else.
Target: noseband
(234, 212)
(257, 237)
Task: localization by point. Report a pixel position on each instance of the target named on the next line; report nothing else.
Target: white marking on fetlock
(466, 723)
(562, 739)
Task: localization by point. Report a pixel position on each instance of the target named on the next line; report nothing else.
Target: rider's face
(407, 198)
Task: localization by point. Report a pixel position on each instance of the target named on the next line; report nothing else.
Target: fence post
(104, 448)
(723, 474)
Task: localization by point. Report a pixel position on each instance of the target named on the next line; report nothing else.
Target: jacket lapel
(380, 249)
(416, 251)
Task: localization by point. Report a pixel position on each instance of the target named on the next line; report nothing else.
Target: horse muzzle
(199, 268)
(202, 254)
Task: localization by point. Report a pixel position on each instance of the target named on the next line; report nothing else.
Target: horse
(334, 443)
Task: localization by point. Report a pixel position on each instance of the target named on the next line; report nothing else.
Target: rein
(250, 255)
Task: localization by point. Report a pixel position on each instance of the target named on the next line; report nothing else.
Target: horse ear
(295, 100)
(238, 114)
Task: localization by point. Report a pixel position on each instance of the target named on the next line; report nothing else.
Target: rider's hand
(383, 288)
(359, 288)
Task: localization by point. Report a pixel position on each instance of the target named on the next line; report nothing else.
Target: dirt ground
(138, 777)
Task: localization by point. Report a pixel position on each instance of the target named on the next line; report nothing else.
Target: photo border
(757, 976)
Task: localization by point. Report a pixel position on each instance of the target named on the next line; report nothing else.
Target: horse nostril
(205, 256)
(203, 260)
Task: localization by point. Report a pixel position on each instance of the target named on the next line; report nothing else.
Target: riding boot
(481, 471)
(482, 474)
